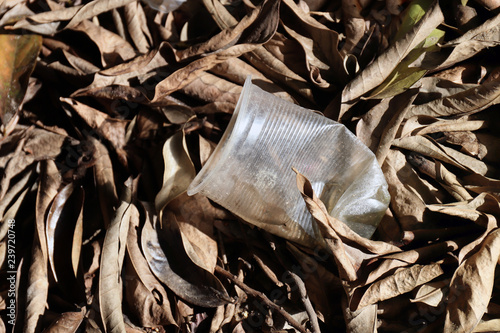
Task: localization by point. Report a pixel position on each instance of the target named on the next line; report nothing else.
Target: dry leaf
(50, 22)
(179, 273)
(112, 256)
(65, 219)
(142, 290)
(18, 53)
(472, 42)
(178, 171)
(68, 322)
(471, 286)
(402, 281)
(463, 103)
(113, 48)
(376, 72)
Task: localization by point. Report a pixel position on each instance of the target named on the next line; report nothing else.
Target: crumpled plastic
(250, 172)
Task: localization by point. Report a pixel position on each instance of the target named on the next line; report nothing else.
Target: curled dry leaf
(403, 281)
(50, 22)
(107, 127)
(472, 42)
(38, 277)
(148, 299)
(408, 191)
(137, 26)
(187, 280)
(65, 218)
(463, 103)
(375, 73)
(251, 31)
(178, 171)
(362, 320)
(104, 179)
(112, 256)
(338, 235)
(472, 285)
(114, 49)
(195, 216)
(237, 70)
(32, 145)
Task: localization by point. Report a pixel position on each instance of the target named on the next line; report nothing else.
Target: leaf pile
(109, 108)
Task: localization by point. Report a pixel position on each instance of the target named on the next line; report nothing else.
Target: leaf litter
(108, 110)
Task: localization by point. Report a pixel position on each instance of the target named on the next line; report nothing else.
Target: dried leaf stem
(313, 318)
(261, 296)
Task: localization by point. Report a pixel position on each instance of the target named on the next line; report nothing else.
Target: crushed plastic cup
(250, 171)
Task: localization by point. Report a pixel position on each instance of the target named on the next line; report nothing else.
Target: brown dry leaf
(447, 125)
(360, 321)
(195, 216)
(210, 88)
(321, 283)
(354, 25)
(276, 70)
(479, 184)
(9, 204)
(68, 322)
(187, 280)
(401, 282)
(319, 44)
(114, 49)
(483, 210)
(112, 256)
(433, 87)
(250, 32)
(390, 131)
(427, 147)
(375, 73)
(370, 127)
(256, 28)
(33, 144)
(431, 293)
(337, 236)
(178, 171)
(472, 42)
(137, 26)
(81, 65)
(105, 181)
(147, 298)
(325, 39)
(408, 192)
(50, 22)
(468, 142)
(237, 70)
(38, 278)
(463, 103)
(260, 57)
(65, 219)
(471, 286)
(38, 288)
(112, 129)
(451, 184)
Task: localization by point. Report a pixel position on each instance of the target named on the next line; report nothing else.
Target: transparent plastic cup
(250, 171)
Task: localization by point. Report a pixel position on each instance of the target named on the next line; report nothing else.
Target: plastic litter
(250, 172)
(165, 6)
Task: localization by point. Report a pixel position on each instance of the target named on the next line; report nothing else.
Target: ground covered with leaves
(109, 108)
